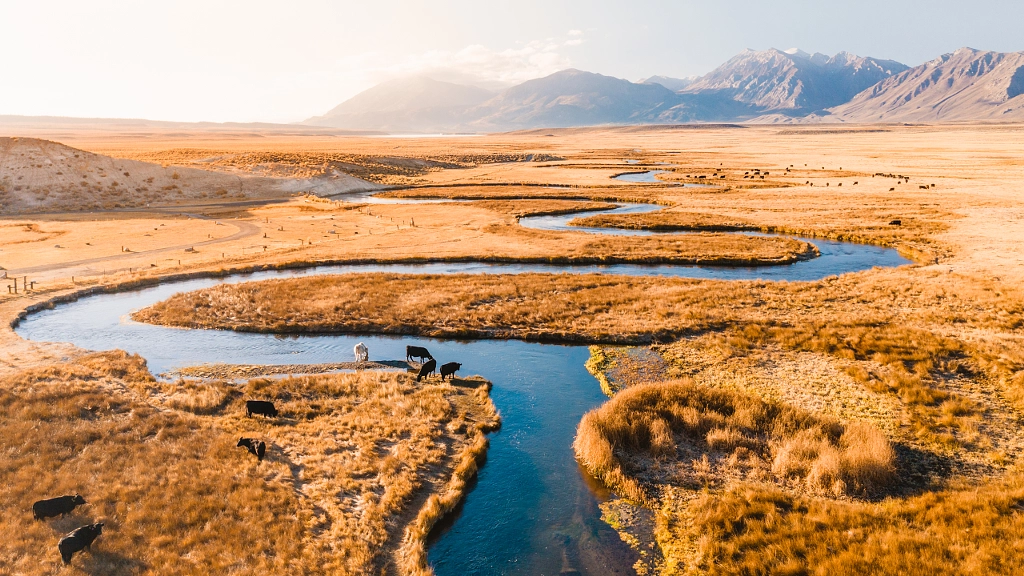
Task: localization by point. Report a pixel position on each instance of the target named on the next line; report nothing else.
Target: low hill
(965, 85)
(44, 176)
(574, 98)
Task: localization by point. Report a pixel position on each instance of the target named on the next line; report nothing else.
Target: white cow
(362, 354)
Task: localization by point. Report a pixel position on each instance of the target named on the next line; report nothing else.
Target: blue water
(531, 511)
(646, 177)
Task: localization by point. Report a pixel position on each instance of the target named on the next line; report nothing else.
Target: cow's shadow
(101, 561)
(64, 524)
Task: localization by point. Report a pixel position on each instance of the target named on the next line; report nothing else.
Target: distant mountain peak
(793, 81)
(967, 84)
(673, 84)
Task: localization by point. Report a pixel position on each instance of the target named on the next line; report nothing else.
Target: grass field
(343, 489)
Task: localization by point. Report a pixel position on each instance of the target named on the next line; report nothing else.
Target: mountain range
(754, 86)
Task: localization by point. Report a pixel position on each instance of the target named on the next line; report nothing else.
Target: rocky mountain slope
(965, 85)
(574, 98)
(794, 82)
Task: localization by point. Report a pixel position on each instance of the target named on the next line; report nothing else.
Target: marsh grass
(359, 466)
(707, 436)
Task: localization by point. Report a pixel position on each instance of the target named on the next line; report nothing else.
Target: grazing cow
(261, 407)
(257, 448)
(892, 189)
(362, 353)
(426, 369)
(78, 540)
(417, 352)
(56, 506)
(449, 369)
(895, 223)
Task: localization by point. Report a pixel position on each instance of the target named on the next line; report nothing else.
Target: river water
(531, 509)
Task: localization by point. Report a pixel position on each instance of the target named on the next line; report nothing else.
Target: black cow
(261, 407)
(257, 448)
(78, 540)
(417, 352)
(449, 369)
(56, 506)
(427, 369)
(895, 223)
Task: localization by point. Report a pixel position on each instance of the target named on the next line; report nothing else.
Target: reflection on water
(650, 176)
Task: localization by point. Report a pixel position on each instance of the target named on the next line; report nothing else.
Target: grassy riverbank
(358, 468)
(913, 237)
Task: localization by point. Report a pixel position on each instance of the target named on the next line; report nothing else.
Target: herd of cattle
(82, 537)
(430, 366)
(78, 539)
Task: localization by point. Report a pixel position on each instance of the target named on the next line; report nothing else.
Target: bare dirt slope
(44, 176)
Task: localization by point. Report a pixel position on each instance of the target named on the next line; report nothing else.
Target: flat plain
(866, 422)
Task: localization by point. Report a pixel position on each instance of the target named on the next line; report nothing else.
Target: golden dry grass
(358, 466)
(754, 529)
(700, 436)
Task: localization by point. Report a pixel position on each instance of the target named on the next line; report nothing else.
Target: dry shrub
(867, 457)
(725, 439)
(861, 460)
(674, 419)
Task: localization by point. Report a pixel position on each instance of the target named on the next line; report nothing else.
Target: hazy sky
(256, 60)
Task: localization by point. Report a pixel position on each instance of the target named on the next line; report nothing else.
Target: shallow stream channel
(531, 510)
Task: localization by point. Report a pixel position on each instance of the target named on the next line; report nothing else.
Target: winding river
(531, 509)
